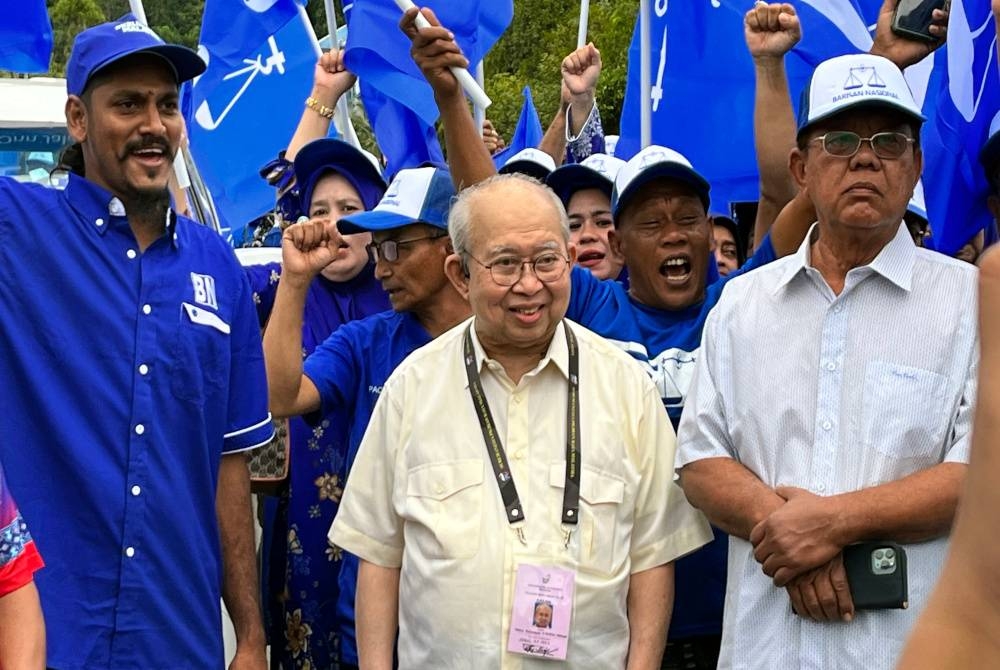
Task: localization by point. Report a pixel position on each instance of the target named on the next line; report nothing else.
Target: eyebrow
(544, 246)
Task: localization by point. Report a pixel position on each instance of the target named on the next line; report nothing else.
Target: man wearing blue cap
(859, 429)
(345, 374)
(136, 379)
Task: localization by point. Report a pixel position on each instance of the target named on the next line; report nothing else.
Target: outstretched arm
(331, 80)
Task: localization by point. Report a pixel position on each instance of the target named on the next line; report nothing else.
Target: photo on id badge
(543, 606)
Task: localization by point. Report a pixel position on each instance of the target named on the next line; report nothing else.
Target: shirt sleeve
(666, 526)
(590, 140)
(249, 423)
(19, 558)
(704, 431)
(334, 370)
(367, 524)
(587, 295)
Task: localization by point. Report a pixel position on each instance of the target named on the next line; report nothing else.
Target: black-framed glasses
(388, 250)
(508, 270)
(844, 143)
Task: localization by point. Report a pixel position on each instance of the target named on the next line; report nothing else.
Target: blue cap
(358, 167)
(655, 162)
(107, 43)
(596, 171)
(419, 195)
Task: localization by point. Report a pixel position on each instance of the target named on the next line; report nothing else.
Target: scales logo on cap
(860, 72)
(652, 158)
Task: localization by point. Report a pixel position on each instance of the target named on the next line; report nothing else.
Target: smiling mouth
(590, 258)
(676, 270)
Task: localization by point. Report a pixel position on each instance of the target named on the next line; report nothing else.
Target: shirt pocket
(444, 507)
(200, 352)
(905, 410)
(603, 538)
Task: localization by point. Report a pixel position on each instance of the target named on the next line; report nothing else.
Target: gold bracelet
(318, 107)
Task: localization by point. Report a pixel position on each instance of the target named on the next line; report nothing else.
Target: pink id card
(543, 606)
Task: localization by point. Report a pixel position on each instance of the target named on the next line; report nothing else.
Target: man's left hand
(901, 50)
(823, 594)
(798, 536)
(249, 657)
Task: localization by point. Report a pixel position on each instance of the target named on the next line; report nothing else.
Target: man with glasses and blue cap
(137, 383)
(858, 429)
(346, 372)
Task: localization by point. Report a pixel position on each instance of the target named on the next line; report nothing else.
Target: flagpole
(480, 112)
(138, 10)
(645, 77)
(581, 34)
(465, 79)
(342, 115)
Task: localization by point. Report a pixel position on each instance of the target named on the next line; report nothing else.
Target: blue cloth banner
(703, 91)
(25, 37)
(963, 95)
(379, 53)
(527, 134)
(261, 55)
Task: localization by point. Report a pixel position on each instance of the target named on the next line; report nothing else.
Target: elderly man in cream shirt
(461, 486)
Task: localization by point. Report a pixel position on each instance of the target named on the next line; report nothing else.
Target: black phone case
(916, 23)
(876, 591)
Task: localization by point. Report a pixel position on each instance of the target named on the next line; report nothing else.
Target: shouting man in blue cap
(135, 380)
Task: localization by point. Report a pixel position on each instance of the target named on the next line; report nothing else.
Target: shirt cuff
(584, 128)
(250, 437)
(364, 547)
(21, 570)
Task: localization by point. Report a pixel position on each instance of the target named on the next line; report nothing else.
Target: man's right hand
(331, 78)
(307, 248)
(435, 51)
(823, 594)
(771, 30)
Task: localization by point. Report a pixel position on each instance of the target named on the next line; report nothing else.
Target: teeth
(531, 310)
(676, 262)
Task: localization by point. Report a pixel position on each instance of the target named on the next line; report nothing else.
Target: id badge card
(541, 612)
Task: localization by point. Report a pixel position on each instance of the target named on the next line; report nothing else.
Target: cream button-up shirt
(422, 497)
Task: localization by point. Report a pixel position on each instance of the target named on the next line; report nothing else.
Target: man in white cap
(833, 397)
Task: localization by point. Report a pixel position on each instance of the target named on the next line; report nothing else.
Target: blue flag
(25, 37)
(703, 82)
(379, 53)
(527, 134)
(244, 109)
(963, 95)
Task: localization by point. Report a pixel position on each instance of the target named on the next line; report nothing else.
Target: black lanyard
(498, 457)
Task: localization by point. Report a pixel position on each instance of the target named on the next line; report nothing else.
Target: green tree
(68, 18)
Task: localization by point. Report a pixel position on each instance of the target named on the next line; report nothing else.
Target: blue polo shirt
(349, 370)
(665, 343)
(126, 377)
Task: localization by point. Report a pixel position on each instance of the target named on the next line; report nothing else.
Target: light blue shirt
(833, 393)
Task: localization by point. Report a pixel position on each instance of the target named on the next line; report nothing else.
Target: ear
(456, 275)
(711, 233)
(76, 118)
(571, 250)
(918, 163)
(797, 166)
(615, 241)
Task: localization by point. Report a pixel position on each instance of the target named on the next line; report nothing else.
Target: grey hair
(460, 217)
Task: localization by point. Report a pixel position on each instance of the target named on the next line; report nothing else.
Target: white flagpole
(581, 34)
(342, 115)
(645, 77)
(479, 113)
(140, 12)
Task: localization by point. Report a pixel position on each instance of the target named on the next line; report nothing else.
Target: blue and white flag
(243, 110)
(25, 37)
(963, 95)
(527, 134)
(379, 54)
(703, 81)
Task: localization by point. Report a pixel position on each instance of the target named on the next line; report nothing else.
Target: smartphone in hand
(876, 573)
(913, 18)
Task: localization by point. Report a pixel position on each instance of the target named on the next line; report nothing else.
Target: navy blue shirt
(666, 342)
(126, 376)
(349, 370)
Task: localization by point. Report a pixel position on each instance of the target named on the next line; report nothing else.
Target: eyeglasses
(508, 270)
(844, 143)
(388, 250)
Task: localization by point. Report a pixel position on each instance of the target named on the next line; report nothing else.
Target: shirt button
(130, 551)
(837, 309)
(140, 429)
(831, 366)
(827, 425)
(519, 454)
(821, 487)
(146, 309)
(439, 488)
(136, 490)
(99, 222)
(143, 369)
(130, 253)
(517, 399)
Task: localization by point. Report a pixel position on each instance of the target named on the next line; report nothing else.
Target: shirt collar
(894, 262)
(96, 206)
(557, 354)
